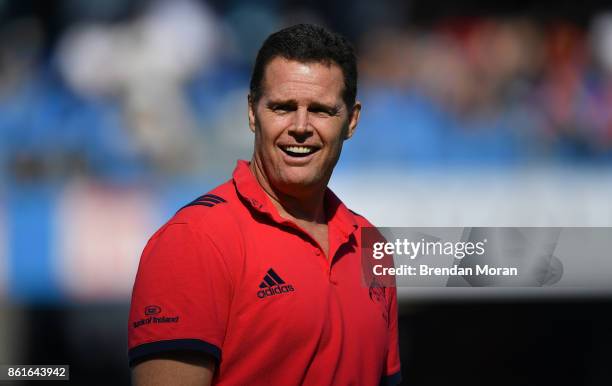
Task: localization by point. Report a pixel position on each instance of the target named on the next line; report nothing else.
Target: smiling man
(259, 281)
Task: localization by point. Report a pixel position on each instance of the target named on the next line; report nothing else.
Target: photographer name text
(455, 270)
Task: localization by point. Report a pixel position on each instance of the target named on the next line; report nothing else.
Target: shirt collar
(247, 186)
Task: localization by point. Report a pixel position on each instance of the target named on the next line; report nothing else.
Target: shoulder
(361, 220)
(335, 205)
(210, 219)
(211, 211)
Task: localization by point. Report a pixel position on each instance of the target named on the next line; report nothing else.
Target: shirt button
(317, 252)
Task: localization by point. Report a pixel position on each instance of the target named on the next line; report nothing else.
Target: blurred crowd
(495, 89)
(158, 88)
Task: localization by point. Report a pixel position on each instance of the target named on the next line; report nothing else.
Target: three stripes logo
(272, 285)
(209, 200)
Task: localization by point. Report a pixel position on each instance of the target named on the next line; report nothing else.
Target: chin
(294, 181)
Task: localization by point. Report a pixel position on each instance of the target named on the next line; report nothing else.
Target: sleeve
(393, 374)
(181, 295)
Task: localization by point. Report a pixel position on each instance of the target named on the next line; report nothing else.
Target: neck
(303, 205)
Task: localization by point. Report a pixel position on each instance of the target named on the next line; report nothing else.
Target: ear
(353, 120)
(251, 109)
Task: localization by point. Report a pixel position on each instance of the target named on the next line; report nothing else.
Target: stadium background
(114, 114)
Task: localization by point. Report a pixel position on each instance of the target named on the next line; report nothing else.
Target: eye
(319, 110)
(282, 108)
(323, 111)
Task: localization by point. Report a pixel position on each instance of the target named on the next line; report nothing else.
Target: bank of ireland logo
(272, 285)
(152, 317)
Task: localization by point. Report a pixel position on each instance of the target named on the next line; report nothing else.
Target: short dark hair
(308, 43)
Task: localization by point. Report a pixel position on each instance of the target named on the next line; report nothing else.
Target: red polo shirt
(228, 276)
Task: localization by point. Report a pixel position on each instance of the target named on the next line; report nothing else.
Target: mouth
(300, 151)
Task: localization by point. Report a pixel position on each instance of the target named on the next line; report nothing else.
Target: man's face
(300, 123)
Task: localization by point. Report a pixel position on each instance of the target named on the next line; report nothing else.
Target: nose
(300, 126)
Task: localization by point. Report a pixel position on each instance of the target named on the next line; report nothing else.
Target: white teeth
(299, 149)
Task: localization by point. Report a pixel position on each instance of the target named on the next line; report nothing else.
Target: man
(259, 282)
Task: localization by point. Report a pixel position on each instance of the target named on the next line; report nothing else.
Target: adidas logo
(209, 200)
(272, 285)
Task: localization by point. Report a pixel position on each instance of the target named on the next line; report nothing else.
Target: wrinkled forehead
(286, 79)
